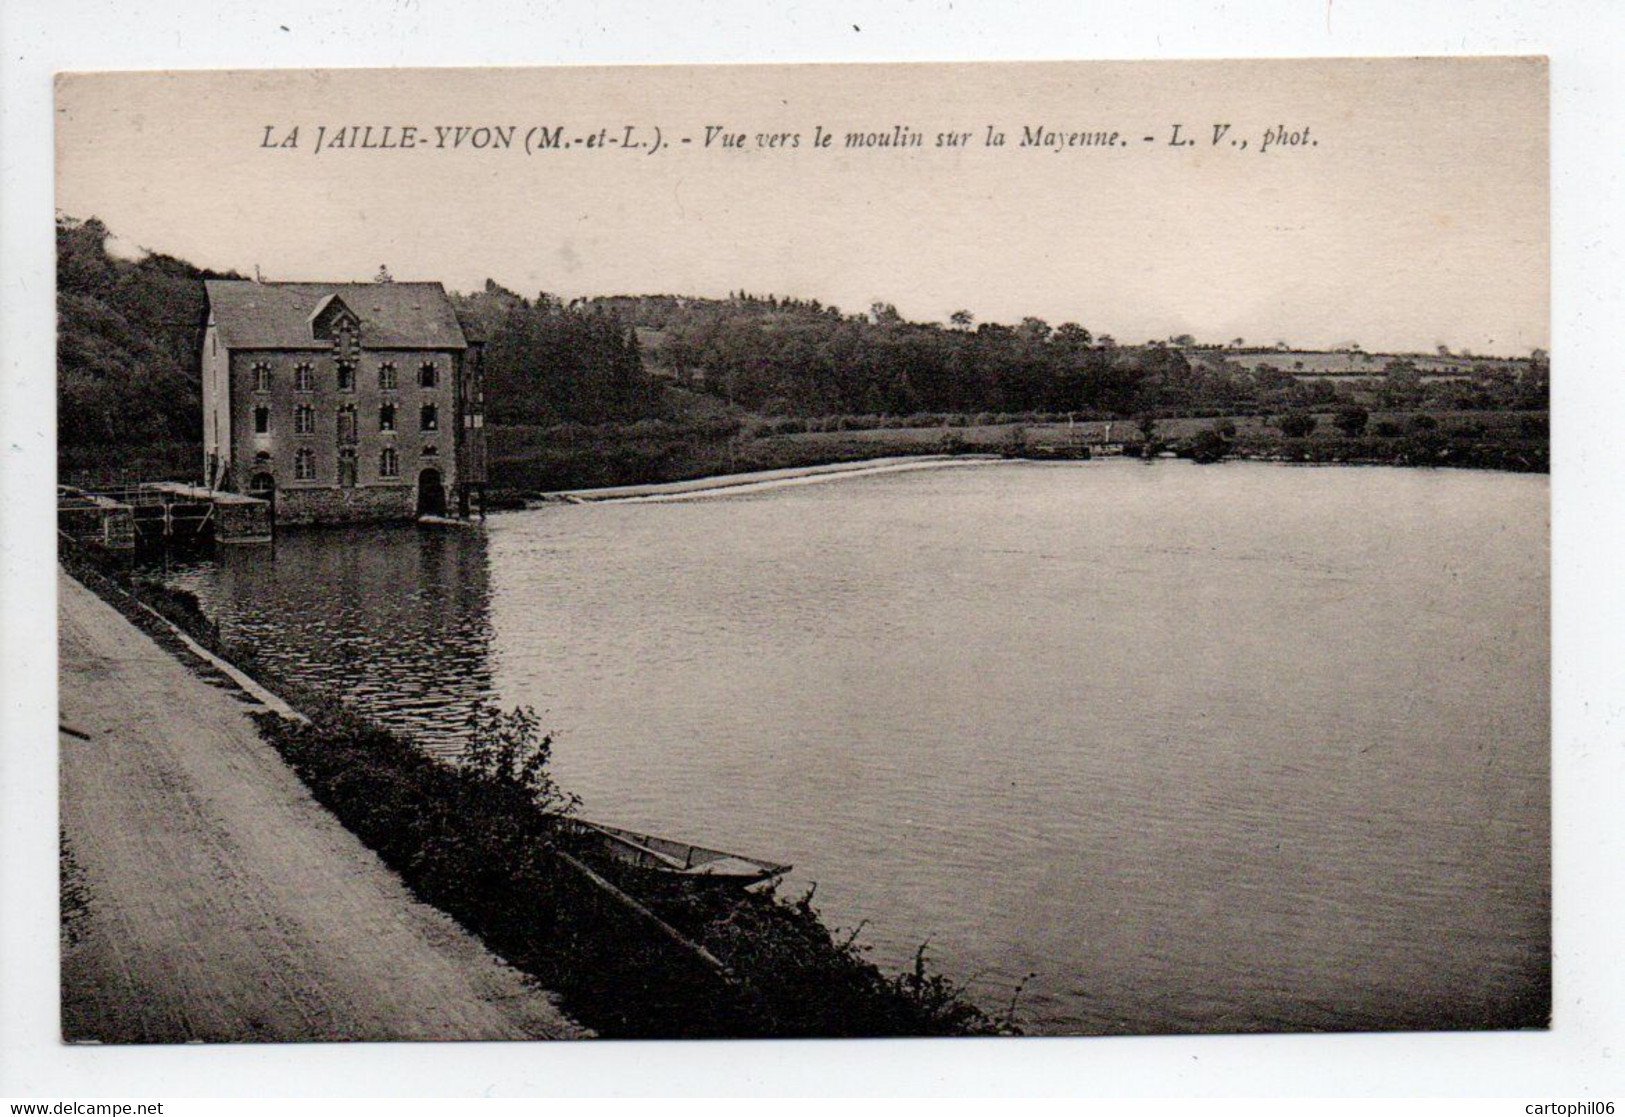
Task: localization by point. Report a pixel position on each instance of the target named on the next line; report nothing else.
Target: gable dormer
(334, 321)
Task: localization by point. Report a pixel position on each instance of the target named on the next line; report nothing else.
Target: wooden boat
(673, 861)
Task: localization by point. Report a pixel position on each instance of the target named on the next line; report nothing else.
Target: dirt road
(222, 902)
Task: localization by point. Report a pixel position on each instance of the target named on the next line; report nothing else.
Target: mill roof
(253, 315)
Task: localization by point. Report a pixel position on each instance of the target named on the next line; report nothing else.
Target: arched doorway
(263, 485)
(431, 494)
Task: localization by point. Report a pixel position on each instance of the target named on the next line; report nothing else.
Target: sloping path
(224, 903)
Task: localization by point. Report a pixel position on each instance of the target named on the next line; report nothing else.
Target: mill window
(428, 375)
(389, 462)
(388, 380)
(304, 466)
(386, 417)
(304, 419)
(429, 417)
(346, 376)
(262, 420)
(262, 376)
(304, 377)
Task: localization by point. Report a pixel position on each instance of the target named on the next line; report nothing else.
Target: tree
(1035, 330)
(1351, 419)
(1072, 337)
(1148, 425)
(961, 319)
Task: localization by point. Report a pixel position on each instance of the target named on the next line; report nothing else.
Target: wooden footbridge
(158, 513)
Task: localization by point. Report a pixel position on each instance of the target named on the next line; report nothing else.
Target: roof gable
(253, 315)
(330, 315)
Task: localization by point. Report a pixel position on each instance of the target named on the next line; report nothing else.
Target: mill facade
(342, 402)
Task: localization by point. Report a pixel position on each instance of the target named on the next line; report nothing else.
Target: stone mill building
(342, 402)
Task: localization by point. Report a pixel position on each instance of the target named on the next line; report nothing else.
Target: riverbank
(527, 462)
(628, 961)
(215, 900)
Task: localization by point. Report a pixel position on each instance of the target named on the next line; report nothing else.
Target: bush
(1297, 424)
(508, 753)
(1208, 446)
(1424, 423)
(1351, 419)
(1387, 428)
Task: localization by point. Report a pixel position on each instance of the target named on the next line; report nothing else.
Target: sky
(1411, 213)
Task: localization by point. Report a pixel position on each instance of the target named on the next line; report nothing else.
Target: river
(1231, 748)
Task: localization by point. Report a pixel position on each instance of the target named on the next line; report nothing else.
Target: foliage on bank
(129, 338)
(787, 356)
(488, 853)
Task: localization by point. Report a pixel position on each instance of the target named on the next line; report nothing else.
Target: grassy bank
(489, 853)
(538, 459)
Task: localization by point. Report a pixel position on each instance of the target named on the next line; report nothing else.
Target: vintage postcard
(804, 551)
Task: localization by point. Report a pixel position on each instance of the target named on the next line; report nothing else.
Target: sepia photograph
(804, 551)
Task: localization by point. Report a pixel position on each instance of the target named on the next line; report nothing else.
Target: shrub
(1387, 428)
(1208, 446)
(1297, 424)
(1351, 419)
(508, 753)
(1424, 423)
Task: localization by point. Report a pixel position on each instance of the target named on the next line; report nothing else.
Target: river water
(1230, 748)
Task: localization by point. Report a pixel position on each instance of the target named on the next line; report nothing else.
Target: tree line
(548, 362)
(793, 357)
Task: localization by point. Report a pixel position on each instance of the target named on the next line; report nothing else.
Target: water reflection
(395, 619)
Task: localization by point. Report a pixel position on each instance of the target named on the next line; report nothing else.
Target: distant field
(1337, 362)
